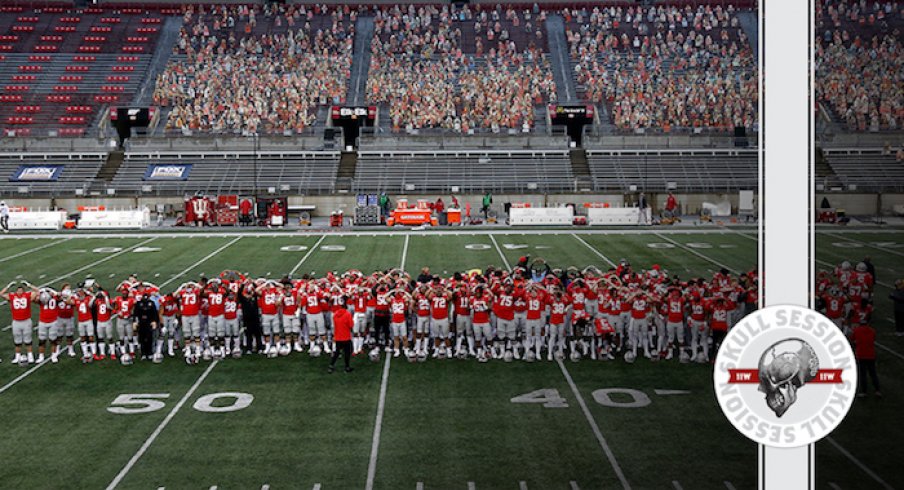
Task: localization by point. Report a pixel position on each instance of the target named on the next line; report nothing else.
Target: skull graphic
(784, 368)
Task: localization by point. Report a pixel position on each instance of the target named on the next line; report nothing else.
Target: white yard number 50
(135, 403)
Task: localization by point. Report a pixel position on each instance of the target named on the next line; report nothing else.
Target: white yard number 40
(623, 397)
(135, 403)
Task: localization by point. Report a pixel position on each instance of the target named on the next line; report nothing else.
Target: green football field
(286, 423)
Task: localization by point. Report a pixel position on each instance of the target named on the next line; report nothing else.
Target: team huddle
(527, 314)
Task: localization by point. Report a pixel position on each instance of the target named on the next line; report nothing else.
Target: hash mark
(419, 486)
(677, 485)
(574, 485)
(729, 486)
(472, 486)
(522, 485)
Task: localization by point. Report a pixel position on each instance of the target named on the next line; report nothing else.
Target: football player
(189, 297)
(215, 294)
(104, 318)
(698, 328)
(268, 301)
(604, 334)
(504, 307)
(463, 329)
(422, 321)
(169, 310)
(638, 328)
(360, 302)
(559, 308)
(674, 321)
(231, 322)
(720, 309)
(316, 325)
(66, 317)
(439, 299)
(123, 304)
(85, 318)
(399, 305)
(48, 316)
(480, 306)
(534, 321)
(20, 306)
(290, 319)
(382, 316)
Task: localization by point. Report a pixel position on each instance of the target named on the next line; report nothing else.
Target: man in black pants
(342, 336)
(381, 317)
(897, 297)
(252, 320)
(145, 317)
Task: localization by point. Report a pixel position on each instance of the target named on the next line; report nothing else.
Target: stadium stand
(866, 169)
(686, 170)
(859, 64)
(470, 171)
(60, 69)
(79, 170)
(296, 172)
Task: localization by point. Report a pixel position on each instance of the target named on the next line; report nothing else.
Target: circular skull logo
(785, 376)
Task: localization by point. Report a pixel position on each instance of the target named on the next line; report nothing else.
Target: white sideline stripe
(596, 429)
(92, 264)
(405, 252)
(378, 426)
(857, 462)
(677, 485)
(834, 486)
(452, 232)
(522, 485)
(594, 250)
(42, 247)
(472, 486)
(729, 486)
(27, 373)
(501, 255)
(870, 245)
(574, 485)
(150, 440)
(303, 259)
(698, 254)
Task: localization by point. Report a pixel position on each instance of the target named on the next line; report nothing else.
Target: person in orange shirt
(864, 339)
(342, 336)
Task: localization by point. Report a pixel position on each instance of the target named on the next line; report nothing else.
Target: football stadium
(285, 244)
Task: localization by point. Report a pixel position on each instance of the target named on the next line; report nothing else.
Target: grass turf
(445, 423)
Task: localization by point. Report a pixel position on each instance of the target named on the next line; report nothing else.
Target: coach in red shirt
(864, 339)
(342, 335)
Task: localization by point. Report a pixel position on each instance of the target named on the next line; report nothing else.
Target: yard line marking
(594, 250)
(574, 485)
(858, 463)
(303, 259)
(405, 252)
(378, 426)
(42, 247)
(596, 429)
(265, 487)
(196, 264)
(870, 245)
(522, 485)
(834, 486)
(472, 486)
(316, 486)
(419, 486)
(677, 485)
(729, 486)
(698, 254)
(27, 373)
(501, 255)
(150, 440)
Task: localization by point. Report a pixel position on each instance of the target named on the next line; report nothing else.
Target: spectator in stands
(897, 298)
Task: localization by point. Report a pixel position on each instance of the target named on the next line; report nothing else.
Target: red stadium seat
(65, 88)
(12, 9)
(71, 78)
(28, 109)
(146, 30)
(54, 10)
(52, 39)
(136, 39)
(30, 68)
(30, 19)
(133, 49)
(89, 49)
(79, 109)
(72, 120)
(93, 10)
(70, 20)
(23, 28)
(95, 39)
(24, 78)
(127, 59)
(151, 20)
(11, 98)
(110, 20)
(17, 88)
(84, 59)
(20, 120)
(106, 99)
(133, 11)
(118, 78)
(41, 58)
(9, 38)
(101, 29)
(57, 98)
(123, 68)
(71, 131)
(47, 48)
(64, 29)
(80, 68)
(113, 88)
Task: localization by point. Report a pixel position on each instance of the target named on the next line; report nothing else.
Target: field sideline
(442, 424)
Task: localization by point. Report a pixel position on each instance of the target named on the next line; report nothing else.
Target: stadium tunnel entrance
(351, 120)
(573, 118)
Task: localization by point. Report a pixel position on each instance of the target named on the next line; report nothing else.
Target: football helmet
(315, 351)
(206, 354)
(701, 358)
(507, 357)
(158, 358)
(374, 355)
(575, 356)
(126, 359)
(560, 356)
(529, 356)
(284, 350)
(422, 356)
(630, 357)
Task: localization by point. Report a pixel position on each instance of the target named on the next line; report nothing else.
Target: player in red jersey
(674, 323)
(559, 307)
(506, 330)
(461, 300)
(440, 300)
(189, 297)
(215, 295)
(835, 305)
(400, 304)
(698, 328)
(85, 321)
(20, 306)
(720, 310)
(481, 302)
(314, 319)
(290, 317)
(103, 315)
(638, 329)
(66, 317)
(422, 321)
(360, 304)
(122, 305)
(169, 320)
(268, 301)
(231, 321)
(48, 326)
(604, 334)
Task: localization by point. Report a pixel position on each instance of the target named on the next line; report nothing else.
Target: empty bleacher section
(688, 170)
(77, 171)
(866, 169)
(287, 171)
(859, 62)
(60, 68)
(271, 69)
(471, 171)
(665, 68)
(460, 69)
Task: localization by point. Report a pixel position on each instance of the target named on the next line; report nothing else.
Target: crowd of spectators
(458, 69)
(666, 67)
(246, 69)
(860, 64)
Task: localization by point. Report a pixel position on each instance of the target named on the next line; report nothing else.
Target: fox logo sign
(44, 173)
(167, 172)
(785, 376)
